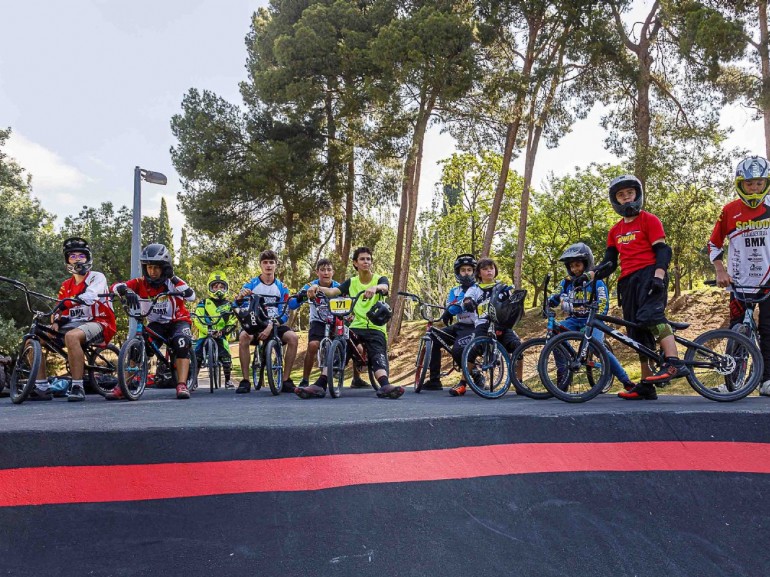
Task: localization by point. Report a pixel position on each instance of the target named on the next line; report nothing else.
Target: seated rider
(215, 314)
(477, 300)
(88, 321)
(578, 258)
(271, 290)
(460, 332)
(318, 312)
(368, 328)
(168, 317)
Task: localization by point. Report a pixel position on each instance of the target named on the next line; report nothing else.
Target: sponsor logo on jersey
(626, 238)
(752, 224)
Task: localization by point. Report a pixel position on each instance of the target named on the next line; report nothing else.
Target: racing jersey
(353, 286)
(165, 309)
(747, 231)
(272, 293)
(454, 305)
(634, 241)
(565, 287)
(481, 293)
(93, 309)
(319, 310)
(209, 309)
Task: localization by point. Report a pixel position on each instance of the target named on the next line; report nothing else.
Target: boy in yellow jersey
(369, 327)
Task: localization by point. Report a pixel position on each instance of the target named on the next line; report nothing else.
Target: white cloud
(50, 173)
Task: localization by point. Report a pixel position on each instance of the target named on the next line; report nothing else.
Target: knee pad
(660, 331)
(378, 361)
(180, 344)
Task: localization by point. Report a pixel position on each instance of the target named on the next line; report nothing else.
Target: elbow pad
(663, 255)
(610, 257)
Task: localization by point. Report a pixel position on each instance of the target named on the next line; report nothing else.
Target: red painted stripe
(90, 484)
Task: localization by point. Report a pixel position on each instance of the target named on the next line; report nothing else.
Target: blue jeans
(578, 324)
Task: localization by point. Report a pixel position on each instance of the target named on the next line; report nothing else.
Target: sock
(77, 382)
(42, 385)
(383, 380)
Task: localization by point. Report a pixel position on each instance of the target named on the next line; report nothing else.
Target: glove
(580, 281)
(567, 307)
(657, 286)
(132, 299)
(553, 301)
(188, 292)
(446, 318)
(504, 294)
(121, 289)
(469, 305)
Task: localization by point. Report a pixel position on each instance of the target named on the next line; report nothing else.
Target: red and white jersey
(94, 308)
(747, 232)
(634, 241)
(166, 309)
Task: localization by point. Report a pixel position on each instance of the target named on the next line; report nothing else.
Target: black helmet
(506, 305)
(157, 254)
(577, 251)
(380, 313)
(77, 244)
(627, 181)
(468, 259)
(252, 317)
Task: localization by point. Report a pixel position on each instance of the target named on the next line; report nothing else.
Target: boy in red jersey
(87, 320)
(169, 318)
(639, 243)
(745, 224)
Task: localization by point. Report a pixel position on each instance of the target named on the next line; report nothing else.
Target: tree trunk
(765, 61)
(349, 196)
(332, 162)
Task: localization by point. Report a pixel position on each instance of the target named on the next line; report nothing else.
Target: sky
(89, 88)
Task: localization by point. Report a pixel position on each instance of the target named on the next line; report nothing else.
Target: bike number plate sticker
(340, 305)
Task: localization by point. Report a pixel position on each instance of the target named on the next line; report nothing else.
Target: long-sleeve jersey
(165, 310)
(216, 314)
(565, 287)
(480, 294)
(272, 293)
(94, 308)
(454, 305)
(747, 232)
(319, 310)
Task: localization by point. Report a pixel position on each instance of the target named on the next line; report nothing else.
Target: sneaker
(38, 395)
(288, 386)
(182, 392)
(243, 387)
(390, 392)
(230, 384)
(76, 393)
(58, 387)
(303, 383)
(115, 395)
(764, 388)
(310, 392)
(433, 385)
(628, 385)
(673, 369)
(458, 390)
(358, 383)
(644, 391)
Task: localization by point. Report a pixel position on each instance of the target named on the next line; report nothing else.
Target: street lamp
(136, 232)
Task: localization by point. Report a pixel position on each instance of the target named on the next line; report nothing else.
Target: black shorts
(376, 345)
(282, 330)
(640, 307)
(316, 332)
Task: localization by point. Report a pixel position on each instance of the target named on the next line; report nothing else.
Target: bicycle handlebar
(422, 306)
(744, 296)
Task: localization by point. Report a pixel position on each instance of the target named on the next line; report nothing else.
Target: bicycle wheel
(132, 368)
(273, 365)
(211, 360)
(103, 369)
(335, 367)
(257, 363)
(372, 379)
(421, 365)
(25, 370)
(525, 359)
(724, 365)
(567, 376)
(491, 367)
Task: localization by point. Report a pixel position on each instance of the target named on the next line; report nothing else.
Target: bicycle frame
(432, 332)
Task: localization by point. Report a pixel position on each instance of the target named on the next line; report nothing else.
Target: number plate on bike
(341, 305)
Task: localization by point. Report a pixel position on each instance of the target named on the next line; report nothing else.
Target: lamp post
(140, 174)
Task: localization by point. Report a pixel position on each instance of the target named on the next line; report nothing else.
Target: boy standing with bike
(325, 271)
(169, 318)
(88, 320)
(271, 290)
(369, 327)
(638, 243)
(216, 306)
(745, 224)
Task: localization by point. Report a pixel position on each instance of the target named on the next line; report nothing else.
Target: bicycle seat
(678, 326)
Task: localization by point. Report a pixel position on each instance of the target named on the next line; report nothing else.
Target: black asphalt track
(566, 523)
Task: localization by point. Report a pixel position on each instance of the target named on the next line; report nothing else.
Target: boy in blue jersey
(319, 314)
(577, 259)
(461, 332)
(271, 290)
